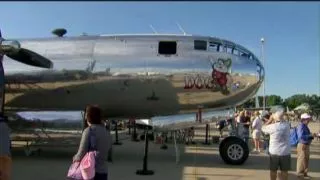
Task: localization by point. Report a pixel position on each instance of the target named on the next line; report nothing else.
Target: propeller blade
(13, 50)
(30, 58)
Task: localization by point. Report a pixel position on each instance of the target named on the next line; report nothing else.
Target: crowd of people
(275, 127)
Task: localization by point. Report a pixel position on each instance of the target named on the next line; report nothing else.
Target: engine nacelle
(9, 46)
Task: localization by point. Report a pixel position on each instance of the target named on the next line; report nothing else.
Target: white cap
(305, 116)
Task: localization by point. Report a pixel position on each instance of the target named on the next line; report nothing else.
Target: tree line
(290, 102)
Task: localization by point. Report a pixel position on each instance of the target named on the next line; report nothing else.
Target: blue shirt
(304, 134)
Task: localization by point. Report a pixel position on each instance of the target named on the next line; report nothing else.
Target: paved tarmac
(197, 162)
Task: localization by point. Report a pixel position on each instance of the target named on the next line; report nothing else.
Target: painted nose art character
(220, 74)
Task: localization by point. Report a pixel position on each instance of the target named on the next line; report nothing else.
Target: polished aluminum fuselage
(127, 77)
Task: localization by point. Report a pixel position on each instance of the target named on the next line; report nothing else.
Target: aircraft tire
(234, 150)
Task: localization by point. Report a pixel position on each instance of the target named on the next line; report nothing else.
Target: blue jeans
(101, 176)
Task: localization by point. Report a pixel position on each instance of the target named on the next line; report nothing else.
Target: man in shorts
(256, 131)
(279, 146)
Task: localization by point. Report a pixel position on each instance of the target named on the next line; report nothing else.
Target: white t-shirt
(279, 143)
(257, 124)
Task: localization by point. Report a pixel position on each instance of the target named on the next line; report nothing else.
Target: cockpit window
(200, 45)
(167, 47)
(229, 50)
(235, 52)
(222, 48)
(243, 54)
(213, 46)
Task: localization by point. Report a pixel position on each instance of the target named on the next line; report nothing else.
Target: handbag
(85, 169)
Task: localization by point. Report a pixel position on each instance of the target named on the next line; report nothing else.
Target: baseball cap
(305, 116)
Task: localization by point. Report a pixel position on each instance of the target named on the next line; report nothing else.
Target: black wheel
(234, 150)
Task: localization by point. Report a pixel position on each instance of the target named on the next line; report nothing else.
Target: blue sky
(291, 30)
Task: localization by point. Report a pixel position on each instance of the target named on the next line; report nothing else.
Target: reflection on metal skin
(48, 121)
(182, 121)
(127, 77)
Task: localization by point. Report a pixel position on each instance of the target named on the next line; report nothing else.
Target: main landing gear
(234, 150)
(117, 137)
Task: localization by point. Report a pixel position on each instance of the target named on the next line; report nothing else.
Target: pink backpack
(85, 170)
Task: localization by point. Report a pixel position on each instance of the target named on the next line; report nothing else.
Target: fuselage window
(200, 45)
(229, 50)
(214, 46)
(167, 47)
(235, 52)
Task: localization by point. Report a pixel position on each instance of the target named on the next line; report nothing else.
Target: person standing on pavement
(256, 131)
(303, 149)
(265, 117)
(245, 121)
(102, 141)
(279, 145)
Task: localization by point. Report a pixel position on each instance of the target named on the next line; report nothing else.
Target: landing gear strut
(117, 137)
(145, 170)
(134, 136)
(164, 141)
(130, 123)
(206, 142)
